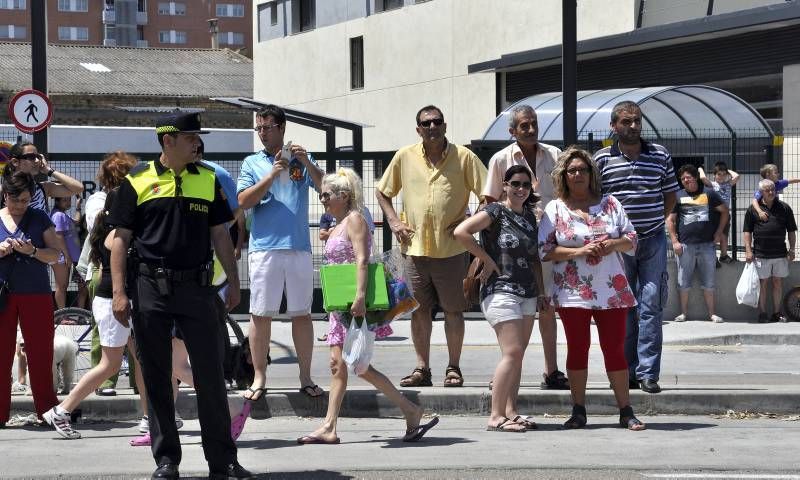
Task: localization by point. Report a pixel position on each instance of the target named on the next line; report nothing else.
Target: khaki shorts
(438, 281)
(772, 267)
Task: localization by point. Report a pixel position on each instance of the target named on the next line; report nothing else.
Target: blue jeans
(700, 257)
(647, 275)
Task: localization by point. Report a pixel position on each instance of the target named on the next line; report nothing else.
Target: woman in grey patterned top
(510, 287)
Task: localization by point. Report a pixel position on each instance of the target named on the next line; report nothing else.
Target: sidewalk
(706, 369)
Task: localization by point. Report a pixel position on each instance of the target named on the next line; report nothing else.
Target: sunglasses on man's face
(432, 121)
(516, 184)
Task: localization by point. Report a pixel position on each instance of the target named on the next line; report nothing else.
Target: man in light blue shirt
(279, 253)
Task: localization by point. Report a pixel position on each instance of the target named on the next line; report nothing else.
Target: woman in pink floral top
(349, 242)
(583, 232)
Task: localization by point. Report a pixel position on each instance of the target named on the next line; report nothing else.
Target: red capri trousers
(611, 329)
(35, 315)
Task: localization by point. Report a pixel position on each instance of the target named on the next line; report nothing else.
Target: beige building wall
(414, 56)
(659, 12)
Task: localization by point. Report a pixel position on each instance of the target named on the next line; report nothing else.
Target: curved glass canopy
(691, 111)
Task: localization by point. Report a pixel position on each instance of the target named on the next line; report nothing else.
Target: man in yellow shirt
(437, 178)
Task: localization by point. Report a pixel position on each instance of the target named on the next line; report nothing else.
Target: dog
(65, 352)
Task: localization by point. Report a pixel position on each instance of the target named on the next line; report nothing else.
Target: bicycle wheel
(76, 324)
(791, 304)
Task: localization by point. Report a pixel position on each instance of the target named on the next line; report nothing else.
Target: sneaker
(717, 319)
(726, 259)
(555, 381)
(60, 421)
(680, 318)
(144, 425)
(17, 387)
(777, 317)
(178, 421)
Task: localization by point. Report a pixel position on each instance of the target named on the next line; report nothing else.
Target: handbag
(749, 287)
(339, 287)
(472, 283)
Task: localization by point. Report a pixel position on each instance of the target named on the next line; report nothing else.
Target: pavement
(706, 369)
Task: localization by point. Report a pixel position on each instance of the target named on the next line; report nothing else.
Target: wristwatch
(33, 253)
(50, 172)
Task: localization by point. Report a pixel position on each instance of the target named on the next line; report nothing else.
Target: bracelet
(33, 253)
(50, 172)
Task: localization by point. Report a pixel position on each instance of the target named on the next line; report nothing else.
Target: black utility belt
(201, 274)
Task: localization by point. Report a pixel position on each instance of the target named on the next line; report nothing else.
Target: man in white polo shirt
(540, 158)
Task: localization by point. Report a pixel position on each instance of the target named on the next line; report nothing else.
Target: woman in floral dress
(583, 232)
(350, 242)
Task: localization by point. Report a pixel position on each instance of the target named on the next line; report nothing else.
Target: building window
(171, 8)
(12, 5)
(13, 32)
(73, 5)
(171, 36)
(273, 13)
(74, 34)
(230, 10)
(356, 63)
(141, 6)
(302, 15)
(231, 38)
(383, 5)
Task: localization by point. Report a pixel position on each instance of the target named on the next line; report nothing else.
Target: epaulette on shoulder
(205, 165)
(139, 168)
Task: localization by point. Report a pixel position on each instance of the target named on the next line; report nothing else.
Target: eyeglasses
(574, 171)
(325, 196)
(29, 156)
(432, 121)
(266, 128)
(516, 184)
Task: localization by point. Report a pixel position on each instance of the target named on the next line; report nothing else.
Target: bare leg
(619, 383)
(22, 365)
(61, 276)
(777, 294)
(109, 365)
(684, 296)
(454, 332)
(137, 375)
(411, 411)
(508, 335)
(549, 332)
(524, 340)
(181, 370)
(421, 328)
(259, 334)
(303, 337)
(327, 432)
(762, 297)
(723, 246)
(577, 386)
(708, 296)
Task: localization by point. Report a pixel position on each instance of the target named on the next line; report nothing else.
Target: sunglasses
(266, 128)
(432, 121)
(575, 171)
(29, 156)
(325, 196)
(516, 184)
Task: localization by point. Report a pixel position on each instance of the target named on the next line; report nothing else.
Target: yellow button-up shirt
(435, 197)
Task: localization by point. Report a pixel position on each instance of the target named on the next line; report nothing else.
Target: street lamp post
(39, 61)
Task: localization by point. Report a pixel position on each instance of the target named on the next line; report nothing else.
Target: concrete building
(134, 23)
(378, 61)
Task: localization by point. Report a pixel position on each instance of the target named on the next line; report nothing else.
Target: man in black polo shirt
(172, 210)
(765, 244)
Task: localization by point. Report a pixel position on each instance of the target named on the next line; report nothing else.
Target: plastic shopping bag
(358, 346)
(749, 287)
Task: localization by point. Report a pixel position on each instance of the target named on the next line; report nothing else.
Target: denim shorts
(700, 257)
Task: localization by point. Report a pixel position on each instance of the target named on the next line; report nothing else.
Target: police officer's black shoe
(166, 470)
(232, 471)
(649, 386)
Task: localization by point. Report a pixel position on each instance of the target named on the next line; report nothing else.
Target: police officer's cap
(180, 123)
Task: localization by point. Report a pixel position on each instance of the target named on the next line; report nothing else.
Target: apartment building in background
(134, 23)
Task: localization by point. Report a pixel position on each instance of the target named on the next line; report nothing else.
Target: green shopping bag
(339, 287)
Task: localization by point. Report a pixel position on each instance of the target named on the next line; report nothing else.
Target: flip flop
(311, 440)
(310, 390)
(255, 393)
(501, 427)
(526, 421)
(237, 424)
(141, 441)
(416, 433)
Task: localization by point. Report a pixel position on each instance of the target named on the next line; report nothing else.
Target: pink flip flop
(237, 423)
(141, 441)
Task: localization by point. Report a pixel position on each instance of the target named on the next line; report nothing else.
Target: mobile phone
(286, 151)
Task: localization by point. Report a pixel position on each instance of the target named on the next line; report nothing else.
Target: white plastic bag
(358, 346)
(749, 287)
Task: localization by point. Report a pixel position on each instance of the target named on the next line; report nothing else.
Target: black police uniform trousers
(191, 309)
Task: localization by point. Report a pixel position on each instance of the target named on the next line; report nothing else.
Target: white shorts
(112, 333)
(772, 267)
(274, 272)
(502, 307)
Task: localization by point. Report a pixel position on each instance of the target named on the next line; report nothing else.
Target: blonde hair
(346, 180)
(559, 173)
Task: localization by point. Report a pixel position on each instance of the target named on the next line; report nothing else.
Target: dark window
(306, 15)
(357, 63)
(273, 13)
(383, 5)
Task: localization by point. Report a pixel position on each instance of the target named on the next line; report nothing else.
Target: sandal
(312, 391)
(420, 377)
(578, 418)
(502, 427)
(555, 381)
(453, 377)
(526, 421)
(255, 393)
(416, 433)
(141, 441)
(628, 420)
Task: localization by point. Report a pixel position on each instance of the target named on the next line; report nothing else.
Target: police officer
(171, 210)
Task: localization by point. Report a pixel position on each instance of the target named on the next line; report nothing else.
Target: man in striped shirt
(641, 176)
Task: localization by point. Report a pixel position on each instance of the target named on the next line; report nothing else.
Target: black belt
(172, 274)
